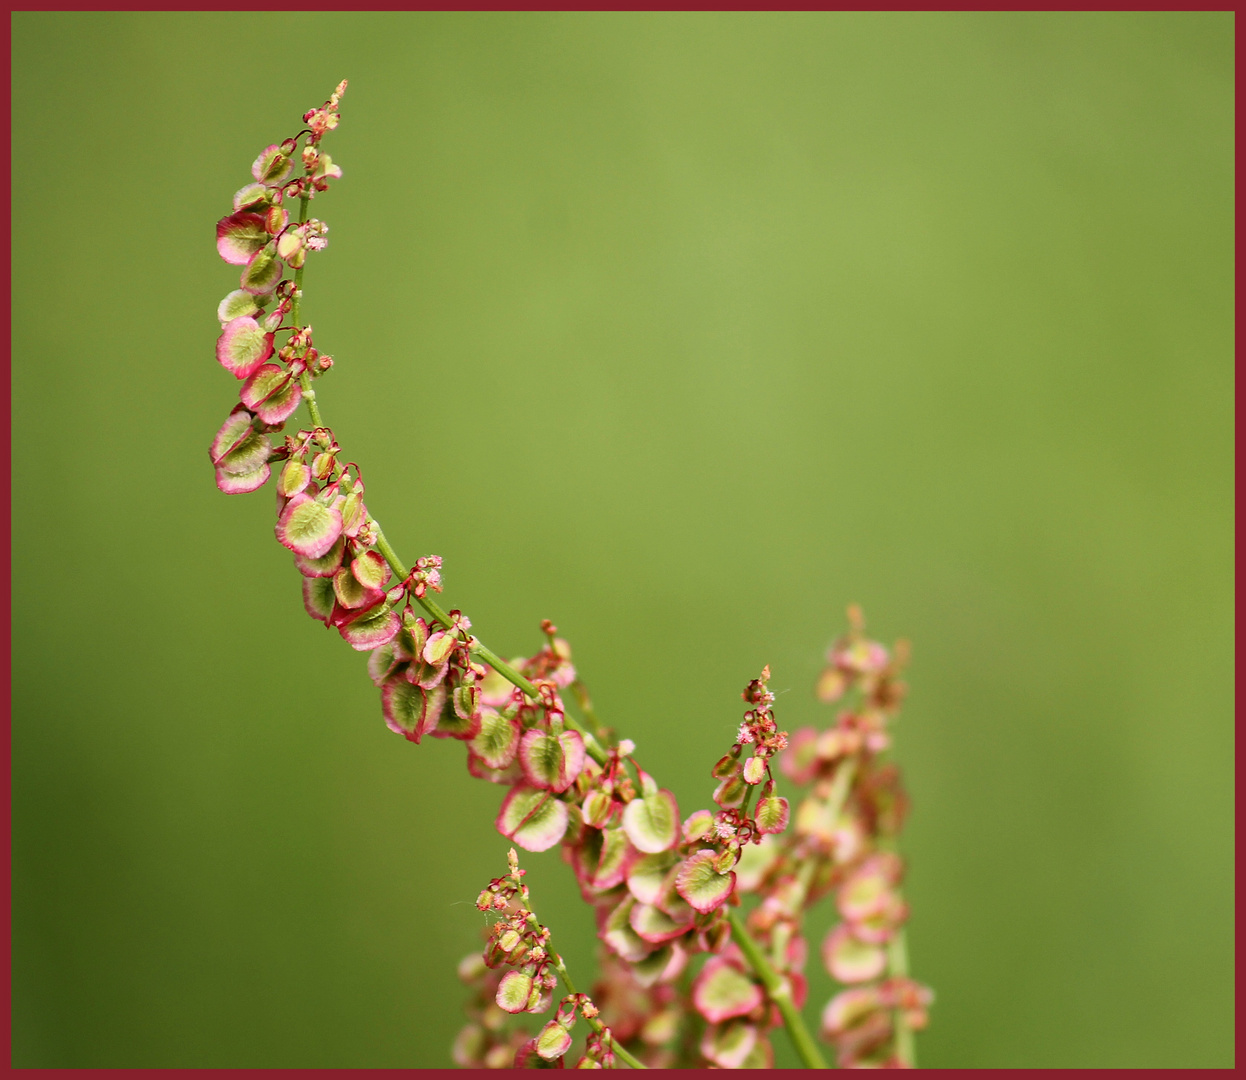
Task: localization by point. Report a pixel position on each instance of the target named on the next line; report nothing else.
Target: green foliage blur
(684, 331)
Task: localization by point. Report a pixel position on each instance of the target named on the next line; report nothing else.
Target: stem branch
(483, 652)
(780, 992)
(561, 968)
(593, 1022)
(898, 966)
(309, 395)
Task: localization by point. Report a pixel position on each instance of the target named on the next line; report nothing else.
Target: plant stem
(561, 968)
(898, 966)
(835, 799)
(593, 1022)
(586, 706)
(841, 786)
(780, 992)
(304, 379)
(483, 652)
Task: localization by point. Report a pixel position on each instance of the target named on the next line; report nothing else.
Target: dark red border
(7, 390)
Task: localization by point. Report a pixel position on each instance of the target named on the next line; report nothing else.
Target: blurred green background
(683, 330)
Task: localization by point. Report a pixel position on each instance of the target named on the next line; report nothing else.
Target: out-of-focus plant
(686, 979)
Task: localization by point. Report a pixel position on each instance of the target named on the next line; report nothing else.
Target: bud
(466, 700)
(508, 940)
(252, 197)
(322, 465)
(276, 219)
(272, 166)
(295, 476)
(597, 809)
(354, 514)
(754, 769)
(730, 793)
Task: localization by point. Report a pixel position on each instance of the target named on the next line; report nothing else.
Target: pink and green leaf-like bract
(410, 710)
(308, 527)
(243, 346)
(272, 394)
(515, 992)
(272, 166)
(377, 626)
(700, 883)
(497, 741)
(551, 761)
(652, 822)
(849, 960)
(236, 305)
(724, 991)
(238, 448)
(262, 272)
(239, 236)
(533, 818)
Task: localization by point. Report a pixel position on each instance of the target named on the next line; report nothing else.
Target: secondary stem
(593, 1022)
(840, 787)
(898, 967)
(304, 379)
(561, 968)
(780, 992)
(483, 652)
(586, 707)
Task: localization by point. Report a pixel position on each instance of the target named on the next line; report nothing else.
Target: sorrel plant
(666, 890)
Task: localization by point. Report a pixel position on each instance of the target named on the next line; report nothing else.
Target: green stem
(482, 651)
(748, 798)
(898, 967)
(841, 786)
(780, 992)
(593, 1022)
(586, 707)
(309, 395)
(561, 968)
(796, 904)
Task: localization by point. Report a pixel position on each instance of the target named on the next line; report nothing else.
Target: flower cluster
(518, 942)
(842, 842)
(658, 885)
(685, 980)
(661, 888)
(260, 237)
